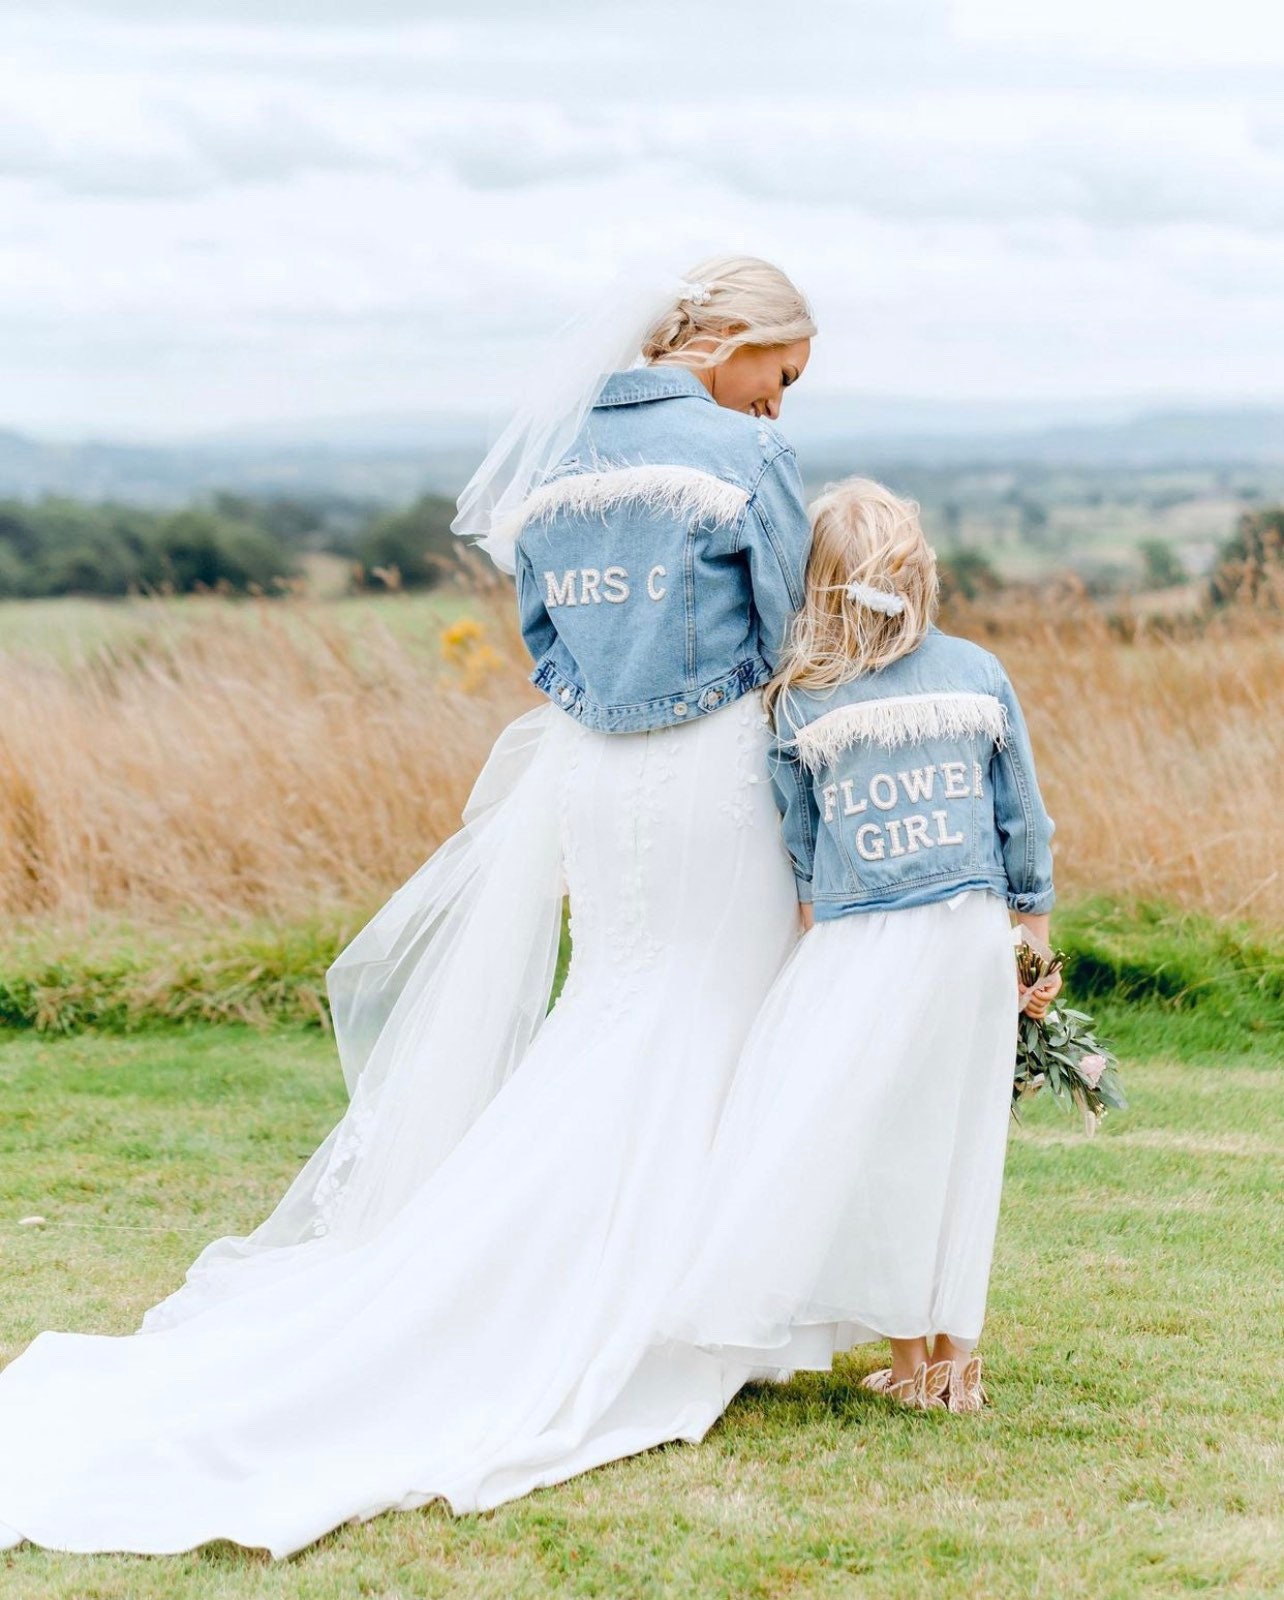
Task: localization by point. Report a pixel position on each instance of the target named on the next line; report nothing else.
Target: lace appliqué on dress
(742, 806)
(635, 943)
(350, 1139)
(610, 928)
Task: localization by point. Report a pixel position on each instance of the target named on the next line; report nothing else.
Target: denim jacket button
(564, 695)
(680, 708)
(710, 698)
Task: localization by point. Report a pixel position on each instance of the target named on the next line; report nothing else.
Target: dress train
(456, 1298)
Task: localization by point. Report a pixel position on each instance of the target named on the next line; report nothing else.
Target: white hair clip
(865, 594)
(699, 294)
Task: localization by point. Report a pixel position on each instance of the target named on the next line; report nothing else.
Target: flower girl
(856, 1176)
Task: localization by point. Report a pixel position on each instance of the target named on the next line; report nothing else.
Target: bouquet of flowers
(1060, 1052)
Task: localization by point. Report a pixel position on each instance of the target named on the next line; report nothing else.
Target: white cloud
(1173, 32)
(216, 217)
(959, 154)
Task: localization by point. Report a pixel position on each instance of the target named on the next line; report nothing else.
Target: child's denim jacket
(911, 784)
(659, 563)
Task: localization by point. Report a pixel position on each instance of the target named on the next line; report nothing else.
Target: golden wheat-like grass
(1161, 755)
(279, 761)
(268, 762)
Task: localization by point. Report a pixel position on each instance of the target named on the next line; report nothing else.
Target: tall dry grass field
(279, 762)
(273, 761)
(1161, 757)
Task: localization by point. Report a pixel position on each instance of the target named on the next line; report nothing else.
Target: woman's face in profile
(754, 378)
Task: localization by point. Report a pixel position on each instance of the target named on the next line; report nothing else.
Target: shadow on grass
(809, 1398)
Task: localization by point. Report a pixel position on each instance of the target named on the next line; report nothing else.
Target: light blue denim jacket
(910, 784)
(659, 563)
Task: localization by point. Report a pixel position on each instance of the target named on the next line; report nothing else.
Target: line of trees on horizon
(239, 544)
(232, 544)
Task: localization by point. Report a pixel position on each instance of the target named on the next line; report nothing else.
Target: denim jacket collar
(639, 384)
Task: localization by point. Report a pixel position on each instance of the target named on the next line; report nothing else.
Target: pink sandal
(966, 1394)
(927, 1390)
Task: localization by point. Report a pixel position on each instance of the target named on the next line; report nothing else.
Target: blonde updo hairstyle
(733, 301)
(861, 533)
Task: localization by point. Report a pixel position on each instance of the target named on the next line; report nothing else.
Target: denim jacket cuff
(804, 890)
(1035, 904)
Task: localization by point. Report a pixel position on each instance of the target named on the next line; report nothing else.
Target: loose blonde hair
(861, 533)
(735, 301)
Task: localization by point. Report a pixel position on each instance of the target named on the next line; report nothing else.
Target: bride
(454, 1297)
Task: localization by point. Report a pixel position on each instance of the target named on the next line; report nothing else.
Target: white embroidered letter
(830, 796)
(955, 774)
(868, 852)
(977, 774)
(889, 790)
(918, 784)
(943, 835)
(916, 834)
(616, 580)
(590, 578)
(894, 828)
(656, 593)
(852, 807)
(562, 594)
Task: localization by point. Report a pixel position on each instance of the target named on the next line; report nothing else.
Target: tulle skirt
(854, 1186)
(473, 1327)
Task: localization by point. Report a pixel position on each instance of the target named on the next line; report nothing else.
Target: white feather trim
(899, 720)
(680, 491)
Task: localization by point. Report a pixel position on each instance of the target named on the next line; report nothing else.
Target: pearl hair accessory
(882, 600)
(699, 294)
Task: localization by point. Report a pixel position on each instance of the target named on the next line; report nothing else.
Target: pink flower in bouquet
(1090, 1069)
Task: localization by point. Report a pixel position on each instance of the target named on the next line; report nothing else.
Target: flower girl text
(904, 835)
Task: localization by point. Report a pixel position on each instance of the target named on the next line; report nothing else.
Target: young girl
(856, 1176)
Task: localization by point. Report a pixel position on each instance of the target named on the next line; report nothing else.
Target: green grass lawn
(1135, 1447)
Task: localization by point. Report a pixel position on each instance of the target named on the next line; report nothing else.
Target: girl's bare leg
(944, 1349)
(907, 1356)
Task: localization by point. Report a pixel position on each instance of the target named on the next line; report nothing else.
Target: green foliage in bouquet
(1061, 1051)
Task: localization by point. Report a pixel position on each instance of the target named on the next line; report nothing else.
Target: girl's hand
(807, 916)
(1035, 1002)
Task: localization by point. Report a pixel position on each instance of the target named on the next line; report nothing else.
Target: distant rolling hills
(392, 459)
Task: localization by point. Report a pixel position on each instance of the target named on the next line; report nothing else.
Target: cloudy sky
(220, 213)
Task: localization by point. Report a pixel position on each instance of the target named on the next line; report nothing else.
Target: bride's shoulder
(758, 435)
(740, 448)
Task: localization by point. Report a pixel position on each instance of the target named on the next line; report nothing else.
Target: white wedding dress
(853, 1191)
(455, 1298)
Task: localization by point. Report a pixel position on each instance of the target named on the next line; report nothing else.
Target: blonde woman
(450, 1298)
(855, 1185)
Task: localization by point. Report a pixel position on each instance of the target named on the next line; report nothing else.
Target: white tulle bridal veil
(455, 1296)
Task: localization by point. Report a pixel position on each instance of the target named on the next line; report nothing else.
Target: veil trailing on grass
(435, 1002)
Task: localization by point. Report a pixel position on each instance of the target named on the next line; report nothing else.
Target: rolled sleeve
(1025, 828)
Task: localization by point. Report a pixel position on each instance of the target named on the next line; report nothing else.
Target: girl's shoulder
(950, 651)
(943, 664)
